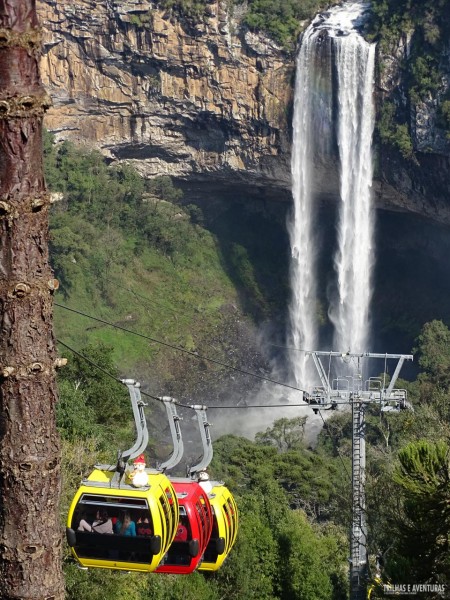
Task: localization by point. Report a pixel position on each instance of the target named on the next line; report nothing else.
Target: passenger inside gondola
(133, 527)
(143, 526)
(182, 533)
(178, 553)
(125, 525)
(101, 524)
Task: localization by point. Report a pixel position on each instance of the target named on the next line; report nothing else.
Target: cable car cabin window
(117, 539)
(229, 525)
(179, 552)
(232, 513)
(168, 514)
(211, 553)
(203, 518)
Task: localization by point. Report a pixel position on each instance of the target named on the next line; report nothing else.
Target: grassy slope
(175, 300)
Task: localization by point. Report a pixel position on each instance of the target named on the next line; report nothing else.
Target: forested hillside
(129, 252)
(112, 233)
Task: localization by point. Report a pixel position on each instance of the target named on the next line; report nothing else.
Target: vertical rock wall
(179, 98)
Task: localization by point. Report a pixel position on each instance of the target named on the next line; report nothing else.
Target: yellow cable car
(113, 524)
(223, 505)
(225, 527)
(156, 506)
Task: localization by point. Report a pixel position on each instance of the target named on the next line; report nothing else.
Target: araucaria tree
(30, 534)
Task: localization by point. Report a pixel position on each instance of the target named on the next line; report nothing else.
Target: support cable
(194, 354)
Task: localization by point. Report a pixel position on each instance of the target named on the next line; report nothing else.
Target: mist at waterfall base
(247, 422)
(411, 287)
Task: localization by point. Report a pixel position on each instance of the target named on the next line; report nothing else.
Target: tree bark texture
(30, 532)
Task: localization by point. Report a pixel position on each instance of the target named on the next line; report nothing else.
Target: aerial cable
(182, 404)
(117, 379)
(288, 405)
(287, 347)
(194, 354)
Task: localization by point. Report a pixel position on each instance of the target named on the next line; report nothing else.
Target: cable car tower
(352, 390)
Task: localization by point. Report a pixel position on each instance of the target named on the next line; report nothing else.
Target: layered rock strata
(174, 97)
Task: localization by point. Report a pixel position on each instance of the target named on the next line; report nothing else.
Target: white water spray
(334, 68)
(310, 104)
(355, 61)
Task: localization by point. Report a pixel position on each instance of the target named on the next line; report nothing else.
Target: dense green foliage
(392, 132)
(279, 19)
(423, 474)
(424, 26)
(133, 255)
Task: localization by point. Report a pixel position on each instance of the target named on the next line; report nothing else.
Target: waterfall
(355, 61)
(312, 115)
(333, 114)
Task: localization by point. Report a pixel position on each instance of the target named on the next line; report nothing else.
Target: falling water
(311, 124)
(355, 61)
(333, 85)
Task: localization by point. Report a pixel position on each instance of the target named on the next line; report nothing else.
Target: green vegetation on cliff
(423, 26)
(130, 252)
(126, 251)
(392, 132)
(426, 27)
(279, 19)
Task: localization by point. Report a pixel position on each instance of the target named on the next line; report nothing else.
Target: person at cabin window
(143, 526)
(125, 525)
(102, 523)
(182, 534)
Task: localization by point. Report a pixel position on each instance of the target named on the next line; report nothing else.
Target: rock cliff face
(420, 184)
(200, 101)
(209, 103)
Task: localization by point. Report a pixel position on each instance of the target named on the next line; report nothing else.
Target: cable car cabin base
(130, 553)
(113, 525)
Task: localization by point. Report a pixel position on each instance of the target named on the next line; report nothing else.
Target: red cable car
(204, 506)
(193, 532)
(195, 513)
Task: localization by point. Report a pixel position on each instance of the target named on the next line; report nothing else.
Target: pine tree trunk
(30, 532)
